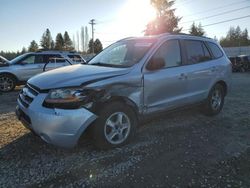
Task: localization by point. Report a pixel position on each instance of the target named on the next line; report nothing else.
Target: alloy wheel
(117, 128)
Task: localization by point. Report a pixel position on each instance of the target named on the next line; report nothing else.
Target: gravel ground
(181, 149)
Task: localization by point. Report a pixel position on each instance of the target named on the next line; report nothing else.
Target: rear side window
(196, 51)
(75, 58)
(170, 53)
(215, 50)
(39, 59)
(54, 58)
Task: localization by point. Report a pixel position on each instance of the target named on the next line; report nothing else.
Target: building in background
(235, 51)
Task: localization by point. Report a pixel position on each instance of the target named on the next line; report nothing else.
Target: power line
(224, 21)
(226, 12)
(216, 8)
(178, 3)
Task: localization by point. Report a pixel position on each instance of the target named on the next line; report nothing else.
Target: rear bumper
(59, 127)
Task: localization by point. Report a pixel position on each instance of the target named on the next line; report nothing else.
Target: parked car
(3, 60)
(23, 67)
(131, 79)
(240, 63)
(245, 60)
(237, 65)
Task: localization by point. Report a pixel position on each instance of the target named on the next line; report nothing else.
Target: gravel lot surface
(181, 149)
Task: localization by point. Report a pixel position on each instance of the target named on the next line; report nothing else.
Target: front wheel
(115, 126)
(215, 100)
(7, 83)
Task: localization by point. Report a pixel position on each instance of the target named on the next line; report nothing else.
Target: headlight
(66, 98)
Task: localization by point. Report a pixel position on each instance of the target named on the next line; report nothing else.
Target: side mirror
(156, 64)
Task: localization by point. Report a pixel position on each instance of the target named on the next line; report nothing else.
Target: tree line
(167, 22)
(62, 42)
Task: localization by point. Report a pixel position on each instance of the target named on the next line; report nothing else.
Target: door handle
(182, 76)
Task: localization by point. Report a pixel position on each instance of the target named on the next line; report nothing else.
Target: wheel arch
(124, 100)
(10, 74)
(224, 85)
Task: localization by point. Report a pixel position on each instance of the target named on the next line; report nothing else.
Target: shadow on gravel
(30, 145)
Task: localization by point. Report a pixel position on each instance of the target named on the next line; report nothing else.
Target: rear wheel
(115, 126)
(215, 100)
(7, 83)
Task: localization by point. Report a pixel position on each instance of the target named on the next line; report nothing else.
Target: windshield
(123, 54)
(13, 61)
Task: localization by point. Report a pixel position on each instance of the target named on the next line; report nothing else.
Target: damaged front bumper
(59, 127)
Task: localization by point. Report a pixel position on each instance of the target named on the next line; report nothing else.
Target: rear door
(54, 61)
(166, 88)
(201, 69)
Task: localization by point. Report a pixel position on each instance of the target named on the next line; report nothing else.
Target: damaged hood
(74, 75)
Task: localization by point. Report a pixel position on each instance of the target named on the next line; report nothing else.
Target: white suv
(23, 67)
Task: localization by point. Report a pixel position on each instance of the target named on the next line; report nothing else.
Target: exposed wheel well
(224, 85)
(99, 105)
(121, 99)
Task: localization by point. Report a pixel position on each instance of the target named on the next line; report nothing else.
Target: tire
(7, 83)
(215, 101)
(115, 126)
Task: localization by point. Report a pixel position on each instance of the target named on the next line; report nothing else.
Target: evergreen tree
(24, 50)
(235, 37)
(59, 45)
(52, 45)
(98, 46)
(33, 46)
(245, 38)
(91, 43)
(165, 21)
(46, 40)
(196, 30)
(68, 44)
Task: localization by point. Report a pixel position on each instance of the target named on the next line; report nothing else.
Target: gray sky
(25, 20)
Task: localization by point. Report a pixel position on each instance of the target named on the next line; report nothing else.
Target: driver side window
(29, 60)
(170, 53)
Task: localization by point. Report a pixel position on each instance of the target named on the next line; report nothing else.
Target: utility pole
(92, 23)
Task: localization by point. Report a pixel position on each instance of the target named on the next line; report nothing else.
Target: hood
(74, 75)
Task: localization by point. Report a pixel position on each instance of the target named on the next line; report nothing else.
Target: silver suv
(20, 69)
(131, 79)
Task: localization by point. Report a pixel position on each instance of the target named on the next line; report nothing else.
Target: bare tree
(83, 39)
(86, 38)
(74, 41)
(77, 41)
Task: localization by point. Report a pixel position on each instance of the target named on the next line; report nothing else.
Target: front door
(29, 66)
(165, 88)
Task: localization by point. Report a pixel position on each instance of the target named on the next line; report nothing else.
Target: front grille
(27, 95)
